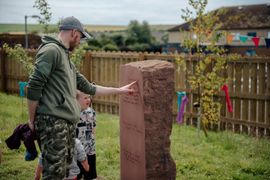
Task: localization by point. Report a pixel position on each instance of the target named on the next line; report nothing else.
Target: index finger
(134, 82)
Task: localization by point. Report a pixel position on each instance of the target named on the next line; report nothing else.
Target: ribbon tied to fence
(180, 95)
(228, 100)
(182, 101)
(22, 88)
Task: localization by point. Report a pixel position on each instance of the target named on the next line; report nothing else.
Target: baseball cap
(70, 23)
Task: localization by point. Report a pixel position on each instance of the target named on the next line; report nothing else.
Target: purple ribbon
(181, 109)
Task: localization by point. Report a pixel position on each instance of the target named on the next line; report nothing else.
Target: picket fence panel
(249, 86)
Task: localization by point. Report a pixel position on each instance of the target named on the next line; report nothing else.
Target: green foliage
(94, 48)
(105, 39)
(137, 37)
(77, 56)
(222, 155)
(19, 54)
(110, 47)
(139, 47)
(94, 44)
(209, 74)
(139, 33)
(118, 39)
(43, 7)
(104, 42)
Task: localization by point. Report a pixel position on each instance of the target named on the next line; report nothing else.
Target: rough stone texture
(146, 121)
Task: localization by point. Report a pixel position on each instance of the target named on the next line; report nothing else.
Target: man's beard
(71, 49)
(72, 45)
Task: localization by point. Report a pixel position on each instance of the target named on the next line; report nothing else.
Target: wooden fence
(249, 87)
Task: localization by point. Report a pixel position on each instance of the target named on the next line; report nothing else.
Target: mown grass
(222, 155)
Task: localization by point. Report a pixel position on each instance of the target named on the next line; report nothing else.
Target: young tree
(133, 32)
(44, 8)
(208, 75)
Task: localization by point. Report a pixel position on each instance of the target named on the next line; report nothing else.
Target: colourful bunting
(256, 41)
(267, 42)
(243, 38)
(229, 38)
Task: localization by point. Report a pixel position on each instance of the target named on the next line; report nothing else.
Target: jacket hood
(48, 39)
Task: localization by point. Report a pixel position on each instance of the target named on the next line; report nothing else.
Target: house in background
(242, 23)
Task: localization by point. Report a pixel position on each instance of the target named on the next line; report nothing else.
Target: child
(85, 131)
(74, 170)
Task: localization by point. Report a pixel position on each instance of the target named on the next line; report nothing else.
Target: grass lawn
(221, 156)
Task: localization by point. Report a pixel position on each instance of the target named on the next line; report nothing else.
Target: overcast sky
(110, 12)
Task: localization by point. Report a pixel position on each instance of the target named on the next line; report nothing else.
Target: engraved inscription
(132, 127)
(132, 157)
(132, 99)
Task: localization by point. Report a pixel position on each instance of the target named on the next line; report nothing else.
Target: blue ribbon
(22, 88)
(180, 95)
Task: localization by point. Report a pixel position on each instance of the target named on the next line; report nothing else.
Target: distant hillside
(19, 28)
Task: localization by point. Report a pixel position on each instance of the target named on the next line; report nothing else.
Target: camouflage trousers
(57, 140)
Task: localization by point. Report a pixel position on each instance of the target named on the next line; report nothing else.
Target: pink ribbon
(179, 118)
(228, 100)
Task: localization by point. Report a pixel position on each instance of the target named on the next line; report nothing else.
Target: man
(52, 101)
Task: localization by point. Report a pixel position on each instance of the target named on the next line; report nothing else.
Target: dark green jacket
(55, 81)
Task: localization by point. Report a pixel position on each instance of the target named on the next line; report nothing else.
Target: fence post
(3, 57)
(141, 56)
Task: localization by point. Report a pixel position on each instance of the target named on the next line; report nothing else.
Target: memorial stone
(146, 119)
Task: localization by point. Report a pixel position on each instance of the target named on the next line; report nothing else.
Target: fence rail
(249, 87)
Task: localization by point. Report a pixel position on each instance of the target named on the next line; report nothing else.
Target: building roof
(239, 17)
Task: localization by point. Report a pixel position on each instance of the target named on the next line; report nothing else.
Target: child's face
(84, 100)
